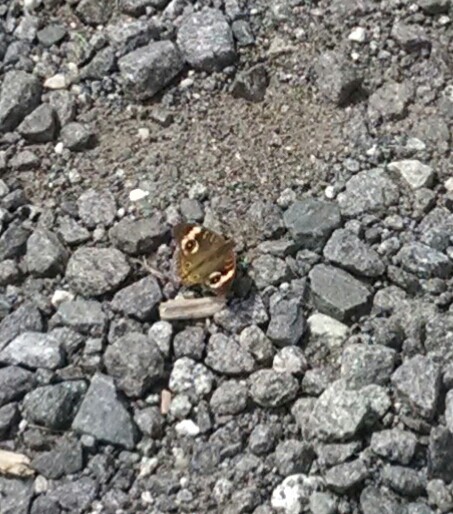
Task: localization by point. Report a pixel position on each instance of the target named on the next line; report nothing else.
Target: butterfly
(204, 257)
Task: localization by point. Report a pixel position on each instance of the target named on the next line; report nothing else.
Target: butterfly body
(204, 257)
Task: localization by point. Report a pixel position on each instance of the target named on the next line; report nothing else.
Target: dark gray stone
(346, 476)
(13, 241)
(271, 389)
(424, 261)
(102, 64)
(71, 232)
(242, 312)
(411, 37)
(85, 316)
(252, 83)
(229, 398)
(287, 323)
(293, 456)
(375, 501)
(103, 416)
(440, 454)
(434, 6)
(51, 34)
(139, 300)
(266, 219)
(149, 69)
(96, 271)
(15, 495)
(45, 505)
(15, 382)
(349, 252)
(394, 444)
(128, 35)
(40, 125)
(225, 355)
(33, 350)
(150, 421)
(337, 293)
(242, 32)
(436, 228)
(190, 342)
(138, 237)
(418, 380)
(96, 208)
(46, 256)
(370, 191)
(54, 406)
(255, 341)
(336, 78)
(95, 12)
(390, 101)
(362, 364)
(206, 40)
(9, 272)
(137, 7)
(263, 438)
(64, 106)
(78, 136)
(332, 454)
(267, 270)
(66, 458)
(405, 481)
(136, 369)
(20, 95)
(77, 496)
(9, 416)
(26, 318)
(311, 222)
(26, 160)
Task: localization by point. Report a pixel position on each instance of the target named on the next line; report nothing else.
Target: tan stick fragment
(15, 464)
(191, 308)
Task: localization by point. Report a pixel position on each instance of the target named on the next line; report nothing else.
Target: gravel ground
(318, 136)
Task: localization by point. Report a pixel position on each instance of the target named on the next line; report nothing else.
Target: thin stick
(191, 308)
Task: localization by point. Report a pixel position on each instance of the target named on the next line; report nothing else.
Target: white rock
(137, 194)
(329, 192)
(58, 81)
(290, 359)
(449, 184)
(322, 325)
(59, 147)
(60, 296)
(147, 466)
(293, 494)
(187, 427)
(143, 133)
(415, 173)
(40, 485)
(358, 35)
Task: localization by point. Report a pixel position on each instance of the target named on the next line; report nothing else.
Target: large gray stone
(39, 126)
(46, 256)
(424, 261)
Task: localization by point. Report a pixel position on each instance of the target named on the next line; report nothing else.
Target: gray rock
(266, 219)
(54, 406)
(440, 454)
(375, 501)
(287, 323)
(75, 496)
(434, 131)
(336, 77)
(337, 293)
(311, 222)
(149, 69)
(40, 125)
(419, 508)
(323, 503)
(390, 101)
(9, 272)
(139, 300)
(64, 106)
(411, 37)
(96, 271)
(150, 421)
(418, 380)
(46, 256)
(95, 12)
(394, 444)
(26, 318)
(138, 237)
(255, 342)
(271, 389)
(349, 252)
(402, 480)
(190, 342)
(33, 350)
(15, 382)
(206, 40)
(103, 416)
(85, 316)
(102, 64)
(190, 378)
(9, 417)
(71, 232)
(15, 495)
(436, 227)
(370, 191)
(66, 458)
(290, 359)
(225, 355)
(252, 83)
(138, 7)
(136, 369)
(51, 34)
(424, 261)
(346, 476)
(434, 6)
(440, 495)
(96, 208)
(25, 160)
(362, 365)
(263, 438)
(191, 209)
(20, 95)
(293, 456)
(449, 410)
(242, 32)
(332, 454)
(128, 35)
(13, 241)
(415, 173)
(229, 398)
(78, 136)
(242, 312)
(267, 270)
(161, 333)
